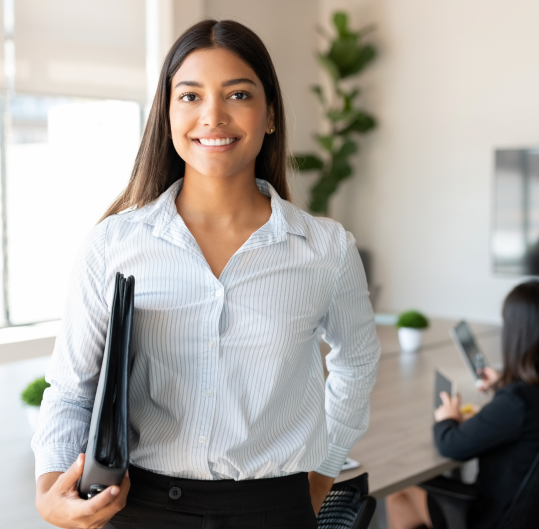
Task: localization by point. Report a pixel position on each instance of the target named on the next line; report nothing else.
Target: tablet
(465, 342)
(441, 383)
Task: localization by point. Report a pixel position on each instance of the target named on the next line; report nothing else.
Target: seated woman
(504, 435)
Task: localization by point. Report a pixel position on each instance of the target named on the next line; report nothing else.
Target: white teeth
(217, 141)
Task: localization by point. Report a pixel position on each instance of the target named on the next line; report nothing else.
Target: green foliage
(33, 394)
(412, 320)
(308, 162)
(346, 56)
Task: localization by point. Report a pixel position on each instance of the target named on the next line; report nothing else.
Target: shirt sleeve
(349, 328)
(73, 372)
(499, 422)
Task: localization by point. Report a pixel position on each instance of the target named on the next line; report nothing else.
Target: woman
(233, 284)
(504, 435)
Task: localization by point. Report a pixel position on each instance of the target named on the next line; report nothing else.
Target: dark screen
(467, 341)
(441, 383)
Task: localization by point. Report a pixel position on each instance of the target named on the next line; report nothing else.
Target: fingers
(491, 374)
(100, 502)
(456, 401)
(126, 484)
(111, 500)
(118, 503)
(68, 480)
(446, 399)
(482, 384)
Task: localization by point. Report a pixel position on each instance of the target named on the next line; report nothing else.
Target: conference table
(398, 449)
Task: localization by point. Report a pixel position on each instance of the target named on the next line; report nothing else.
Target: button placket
(210, 362)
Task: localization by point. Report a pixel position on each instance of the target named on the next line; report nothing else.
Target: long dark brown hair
(158, 165)
(520, 338)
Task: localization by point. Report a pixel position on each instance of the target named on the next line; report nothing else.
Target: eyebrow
(241, 80)
(230, 82)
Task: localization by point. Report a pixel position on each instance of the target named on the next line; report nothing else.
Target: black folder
(107, 452)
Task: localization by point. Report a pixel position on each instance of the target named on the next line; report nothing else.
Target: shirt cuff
(55, 458)
(333, 463)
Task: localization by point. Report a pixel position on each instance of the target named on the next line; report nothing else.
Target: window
(73, 86)
(66, 162)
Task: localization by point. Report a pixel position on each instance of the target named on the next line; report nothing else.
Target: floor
(17, 501)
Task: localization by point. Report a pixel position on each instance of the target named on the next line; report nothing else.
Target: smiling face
(218, 114)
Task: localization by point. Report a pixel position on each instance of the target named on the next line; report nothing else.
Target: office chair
(452, 501)
(455, 499)
(522, 513)
(348, 505)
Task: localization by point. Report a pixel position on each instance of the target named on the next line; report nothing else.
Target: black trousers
(163, 502)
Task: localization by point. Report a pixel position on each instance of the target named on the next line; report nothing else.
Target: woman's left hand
(320, 485)
(450, 408)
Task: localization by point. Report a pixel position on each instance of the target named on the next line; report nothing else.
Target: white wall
(453, 81)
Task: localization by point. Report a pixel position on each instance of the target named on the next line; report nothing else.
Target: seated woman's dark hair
(520, 339)
(158, 165)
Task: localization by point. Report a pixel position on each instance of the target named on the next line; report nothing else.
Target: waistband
(219, 496)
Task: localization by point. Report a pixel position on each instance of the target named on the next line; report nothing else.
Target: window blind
(81, 48)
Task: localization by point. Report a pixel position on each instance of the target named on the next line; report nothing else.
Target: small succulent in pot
(32, 397)
(411, 325)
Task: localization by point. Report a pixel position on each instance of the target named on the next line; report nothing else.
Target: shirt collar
(162, 214)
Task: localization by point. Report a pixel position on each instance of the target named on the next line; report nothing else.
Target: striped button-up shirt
(228, 381)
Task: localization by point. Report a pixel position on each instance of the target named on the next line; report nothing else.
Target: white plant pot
(410, 339)
(32, 412)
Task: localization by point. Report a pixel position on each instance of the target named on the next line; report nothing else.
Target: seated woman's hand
(489, 377)
(449, 409)
(59, 503)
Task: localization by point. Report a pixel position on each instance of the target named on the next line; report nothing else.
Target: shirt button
(211, 343)
(208, 393)
(219, 293)
(201, 439)
(174, 493)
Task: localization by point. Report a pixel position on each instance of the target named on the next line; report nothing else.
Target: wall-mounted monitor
(515, 232)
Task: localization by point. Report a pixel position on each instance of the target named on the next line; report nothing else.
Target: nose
(214, 112)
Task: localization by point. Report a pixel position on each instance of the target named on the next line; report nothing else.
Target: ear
(271, 119)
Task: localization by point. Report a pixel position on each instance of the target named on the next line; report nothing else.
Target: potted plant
(411, 325)
(347, 56)
(32, 397)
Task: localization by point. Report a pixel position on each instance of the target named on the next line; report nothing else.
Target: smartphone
(349, 464)
(442, 382)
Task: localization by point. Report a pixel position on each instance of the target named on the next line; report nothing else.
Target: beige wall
(454, 80)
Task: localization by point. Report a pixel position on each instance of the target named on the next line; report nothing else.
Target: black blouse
(504, 435)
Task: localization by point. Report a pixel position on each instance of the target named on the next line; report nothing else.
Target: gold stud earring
(272, 130)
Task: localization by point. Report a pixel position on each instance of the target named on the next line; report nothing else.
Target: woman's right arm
(73, 373)
(499, 422)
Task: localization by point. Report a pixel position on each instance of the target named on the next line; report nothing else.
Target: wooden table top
(398, 449)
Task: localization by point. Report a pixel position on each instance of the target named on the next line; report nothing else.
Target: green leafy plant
(346, 57)
(33, 394)
(411, 319)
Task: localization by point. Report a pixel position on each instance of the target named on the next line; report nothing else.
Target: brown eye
(239, 96)
(189, 98)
